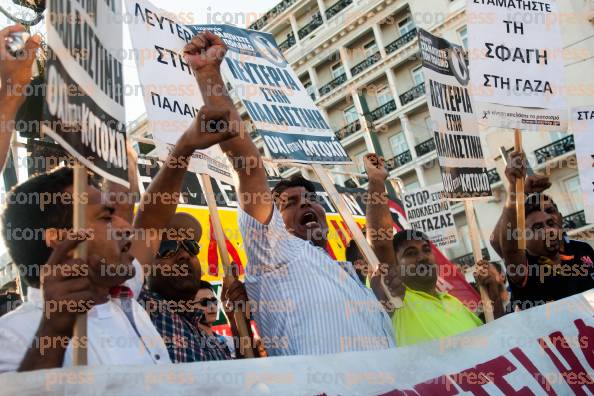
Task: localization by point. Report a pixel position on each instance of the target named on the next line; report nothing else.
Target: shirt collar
(193, 317)
(440, 295)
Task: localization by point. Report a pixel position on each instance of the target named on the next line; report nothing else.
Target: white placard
(516, 64)
(582, 127)
(428, 211)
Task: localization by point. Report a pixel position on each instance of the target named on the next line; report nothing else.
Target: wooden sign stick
(520, 208)
(349, 220)
(240, 319)
(478, 255)
(79, 188)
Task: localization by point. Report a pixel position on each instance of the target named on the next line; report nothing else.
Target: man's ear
(52, 237)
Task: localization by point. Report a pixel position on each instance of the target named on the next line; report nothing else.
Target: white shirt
(111, 338)
(308, 304)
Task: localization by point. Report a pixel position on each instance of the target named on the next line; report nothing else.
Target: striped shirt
(307, 303)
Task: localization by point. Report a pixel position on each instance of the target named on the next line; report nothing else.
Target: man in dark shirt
(553, 267)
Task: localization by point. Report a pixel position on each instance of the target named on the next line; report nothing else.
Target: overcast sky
(239, 13)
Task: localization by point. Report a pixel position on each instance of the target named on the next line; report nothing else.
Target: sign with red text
(547, 350)
(516, 64)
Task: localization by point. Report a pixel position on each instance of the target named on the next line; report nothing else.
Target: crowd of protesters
(145, 302)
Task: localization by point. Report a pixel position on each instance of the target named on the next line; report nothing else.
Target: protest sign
(293, 128)
(84, 102)
(546, 350)
(582, 127)
(192, 201)
(171, 94)
(457, 139)
(428, 211)
(516, 64)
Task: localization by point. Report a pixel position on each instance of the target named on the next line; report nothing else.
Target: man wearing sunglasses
(170, 296)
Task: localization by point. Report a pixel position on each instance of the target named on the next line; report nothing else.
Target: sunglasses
(170, 248)
(208, 301)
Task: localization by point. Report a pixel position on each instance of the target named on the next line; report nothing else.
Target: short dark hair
(407, 235)
(352, 252)
(497, 266)
(24, 212)
(532, 203)
(293, 181)
(205, 285)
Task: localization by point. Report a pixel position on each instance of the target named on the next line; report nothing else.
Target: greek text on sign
(517, 64)
(84, 105)
(293, 128)
(457, 140)
(428, 211)
(171, 94)
(582, 127)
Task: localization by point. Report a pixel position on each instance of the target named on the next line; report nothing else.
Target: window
(384, 96)
(412, 186)
(574, 192)
(429, 125)
(417, 75)
(405, 25)
(359, 161)
(398, 144)
(463, 33)
(337, 70)
(350, 114)
(311, 90)
(370, 48)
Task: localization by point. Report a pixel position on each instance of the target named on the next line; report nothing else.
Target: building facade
(360, 62)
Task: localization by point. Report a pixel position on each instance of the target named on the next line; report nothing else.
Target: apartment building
(359, 61)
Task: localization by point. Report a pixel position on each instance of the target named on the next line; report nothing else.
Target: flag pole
(240, 318)
(79, 224)
(520, 208)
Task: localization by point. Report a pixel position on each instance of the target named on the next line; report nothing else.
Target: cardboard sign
(457, 139)
(428, 211)
(293, 128)
(84, 104)
(516, 64)
(171, 93)
(546, 350)
(582, 127)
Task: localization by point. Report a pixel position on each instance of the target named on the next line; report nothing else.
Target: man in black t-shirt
(553, 267)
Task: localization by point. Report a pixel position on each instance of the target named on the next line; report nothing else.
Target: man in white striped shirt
(307, 303)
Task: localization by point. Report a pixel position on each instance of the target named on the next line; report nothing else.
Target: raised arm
(15, 75)
(513, 257)
(380, 233)
(208, 51)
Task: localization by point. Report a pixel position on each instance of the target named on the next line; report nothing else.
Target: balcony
(467, 260)
(359, 67)
(425, 148)
(555, 149)
(254, 135)
(399, 160)
(575, 221)
(288, 43)
(412, 94)
(401, 41)
(337, 7)
(273, 13)
(383, 111)
(316, 22)
(493, 176)
(338, 81)
(348, 130)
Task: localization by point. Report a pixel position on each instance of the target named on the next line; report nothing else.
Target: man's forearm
(160, 200)
(46, 351)
(379, 221)
(253, 191)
